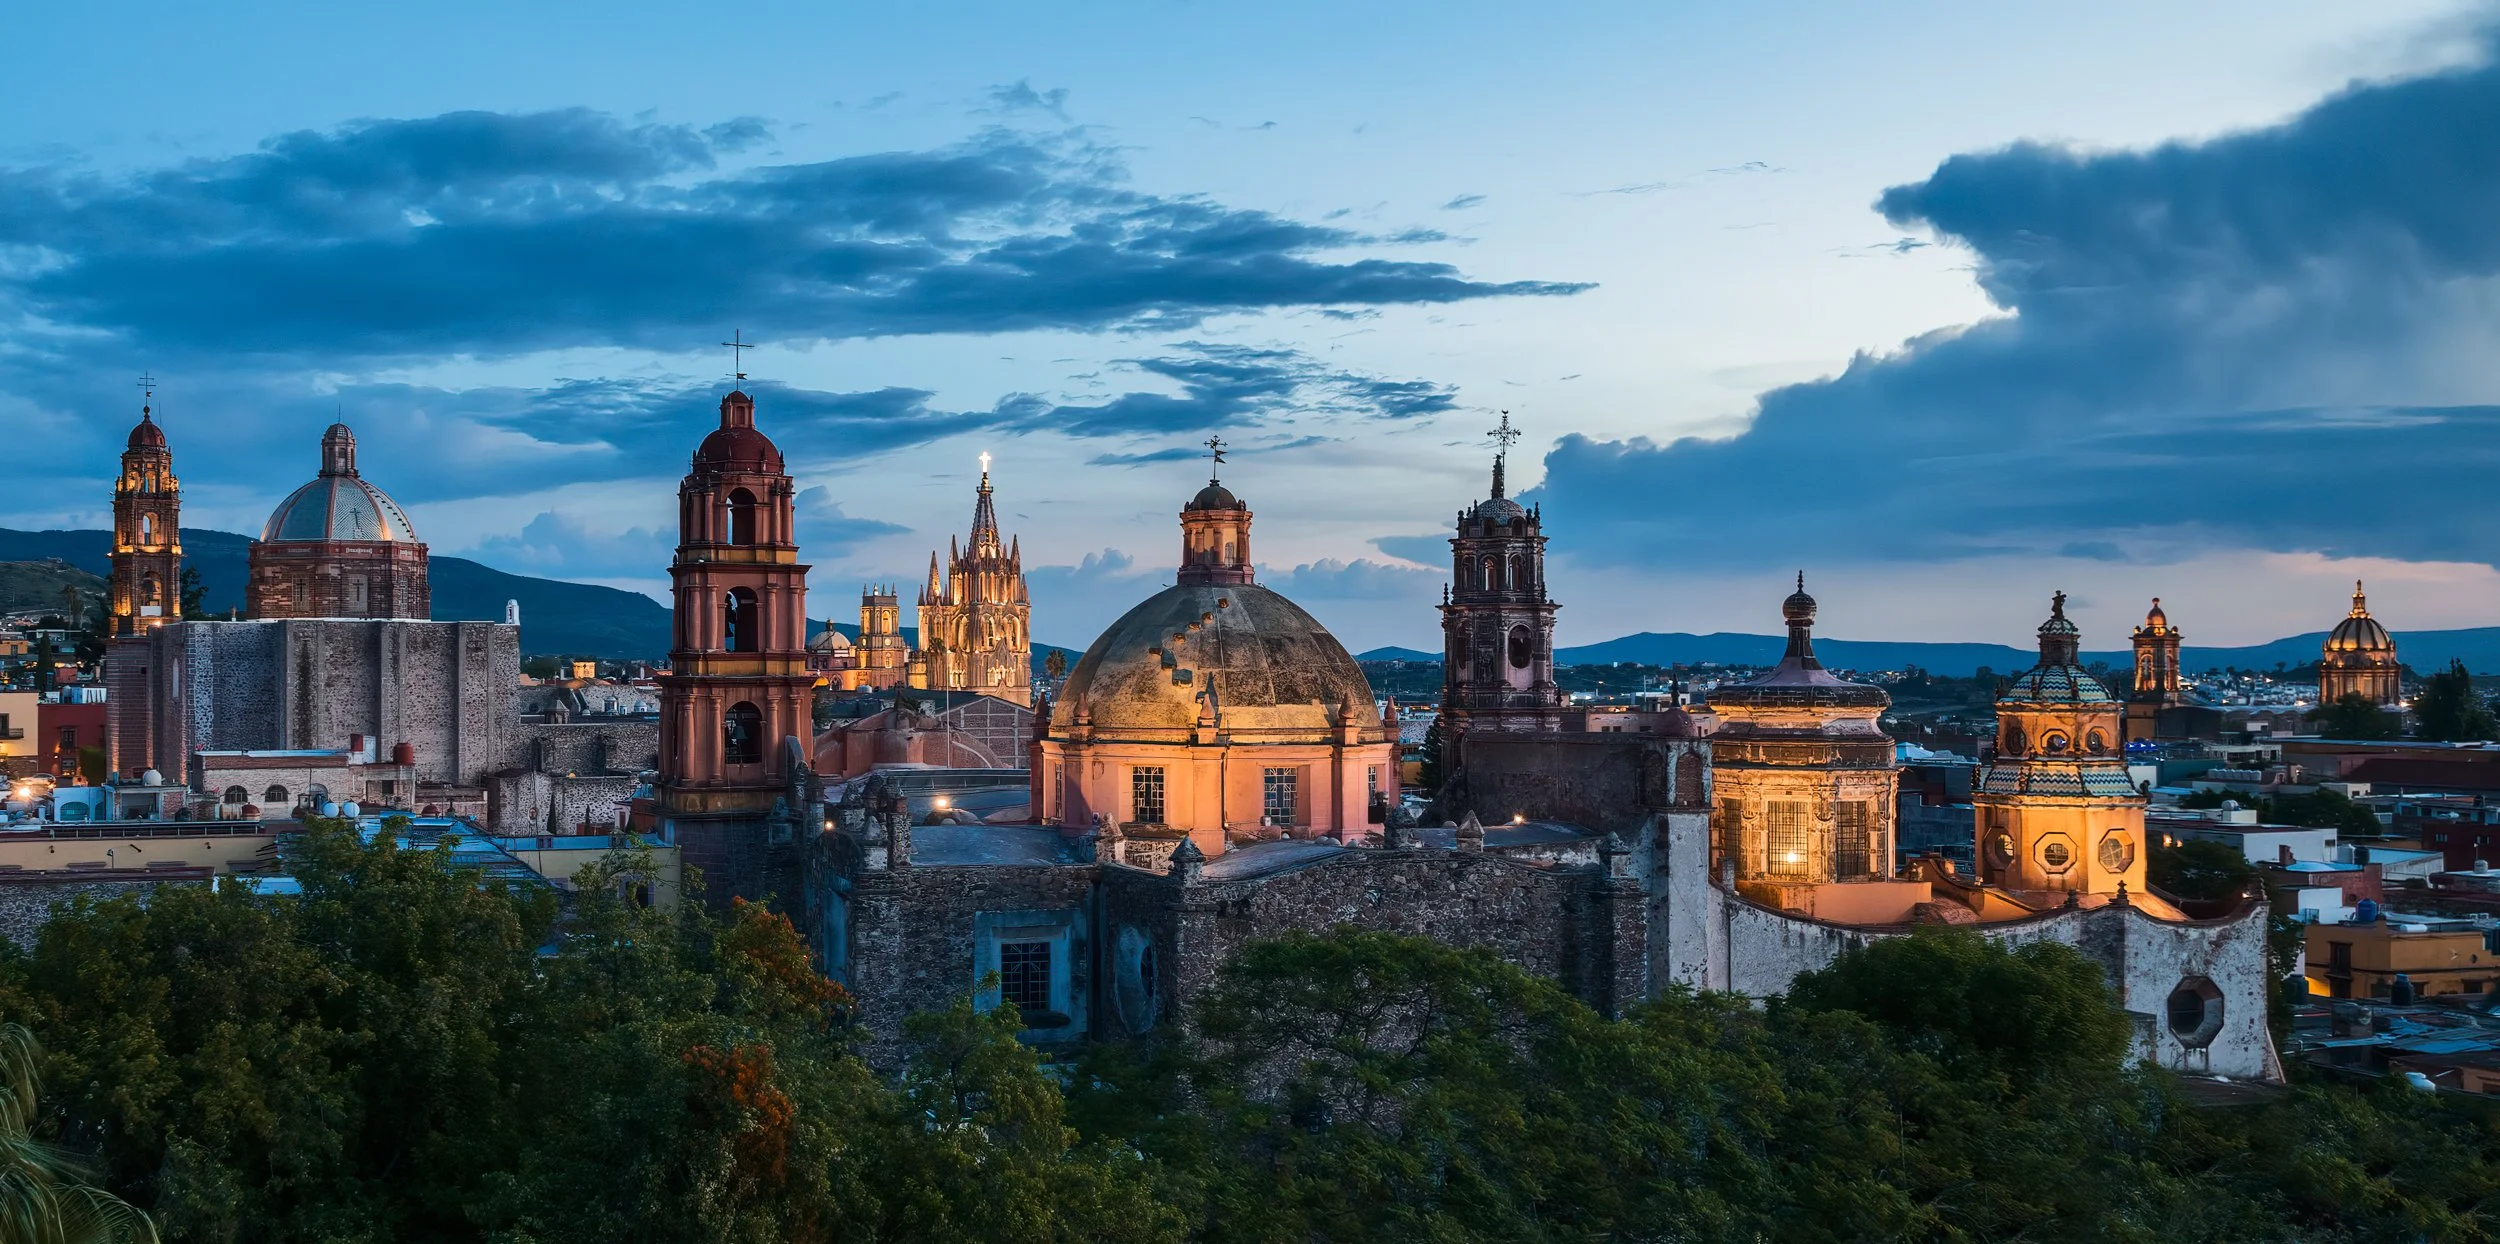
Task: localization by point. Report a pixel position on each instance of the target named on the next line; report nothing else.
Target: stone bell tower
(147, 533)
(1497, 627)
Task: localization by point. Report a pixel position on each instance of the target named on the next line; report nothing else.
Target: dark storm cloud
(1240, 387)
(491, 235)
(2274, 339)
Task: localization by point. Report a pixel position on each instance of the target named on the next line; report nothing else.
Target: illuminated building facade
(1805, 781)
(1497, 625)
(2056, 811)
(2157, 684)
(2360, 659)
(976, 620)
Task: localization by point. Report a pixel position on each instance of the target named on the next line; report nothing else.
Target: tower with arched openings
(738, 690)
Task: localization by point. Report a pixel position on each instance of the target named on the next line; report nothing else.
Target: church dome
(1215, 496)
(338, 504)
(2059, 678)
(1271, 667)
(146, 435)
(1799, 681)
(829, 640)
(735, 445)
(2359, 632)
(1500, 509)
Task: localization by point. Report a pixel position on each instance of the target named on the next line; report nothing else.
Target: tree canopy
(409, 1051)
(2450, 710)
(2354, 716)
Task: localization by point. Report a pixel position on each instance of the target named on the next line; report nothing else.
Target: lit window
(1024, 975)
(1791, 832)
(1145, 788)
(1853, 849)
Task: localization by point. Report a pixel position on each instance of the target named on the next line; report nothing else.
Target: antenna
(738, 347)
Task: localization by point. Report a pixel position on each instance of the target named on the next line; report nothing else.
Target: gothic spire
(984, 518)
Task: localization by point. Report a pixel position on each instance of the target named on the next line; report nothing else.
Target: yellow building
(1805, 780)
(2362, 960)
(975, 617)
(2057, 812)
(17, 724)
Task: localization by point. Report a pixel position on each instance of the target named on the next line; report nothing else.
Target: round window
(2053, 743)
(2003, 847)
(2013, 744)
(2055, 855)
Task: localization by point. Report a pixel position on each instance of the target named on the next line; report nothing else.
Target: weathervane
(1215, 450)
(738, 347)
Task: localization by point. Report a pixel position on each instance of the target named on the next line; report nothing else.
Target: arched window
(236, 796)
(316, 795)
(1487, 573)
(1518, 573)
(741, 516)
(742, 621)
(1520, 649)
(147, 529)
(742, 735)
(274, 797)
(151, 592)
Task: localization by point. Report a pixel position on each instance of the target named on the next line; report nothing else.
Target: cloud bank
(2276, 339)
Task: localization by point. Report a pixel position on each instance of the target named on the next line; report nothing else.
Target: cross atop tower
(147, 388)
(1502, 437)
(1215, 450)
(738, 347)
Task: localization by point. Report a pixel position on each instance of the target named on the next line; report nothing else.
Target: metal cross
(1505, 434)
(738, 347)
(1215, 450)
(985, 464)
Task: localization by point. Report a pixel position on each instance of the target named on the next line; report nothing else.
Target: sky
(1950, 308)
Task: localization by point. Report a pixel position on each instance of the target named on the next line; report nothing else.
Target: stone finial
(1397, 830)
(2120, 898)
(1189, 864)
(2074, 899)
(1471, 833)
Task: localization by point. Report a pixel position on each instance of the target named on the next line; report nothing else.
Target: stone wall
(904, 940)
(27, 903)
(1607, 782)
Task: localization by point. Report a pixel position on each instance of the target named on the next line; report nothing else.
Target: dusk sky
(1951, 305)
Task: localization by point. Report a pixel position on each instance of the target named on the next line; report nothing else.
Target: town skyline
(304, 273)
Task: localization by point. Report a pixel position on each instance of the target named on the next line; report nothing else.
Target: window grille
(1791, 839)
(1278, 790)
(1024, 975)
(1853, 849)
(1145, 784)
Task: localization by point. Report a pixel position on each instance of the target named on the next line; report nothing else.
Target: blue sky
(1953, 307)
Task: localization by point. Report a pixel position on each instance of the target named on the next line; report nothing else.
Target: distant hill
(1397, 654)
(2478, 647)
(572, 619)
(39, 584)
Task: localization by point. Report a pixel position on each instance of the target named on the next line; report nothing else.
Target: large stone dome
(338, 504)
(1274, 669)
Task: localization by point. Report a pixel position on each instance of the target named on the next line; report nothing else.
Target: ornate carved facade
(736, 723)
(1804, 777)
(881, 652)
(338, 547)
(2360, 659)
(2056, 811)
(1497, 626)
(976, 621)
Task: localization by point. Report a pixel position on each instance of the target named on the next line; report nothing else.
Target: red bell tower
(736, 719)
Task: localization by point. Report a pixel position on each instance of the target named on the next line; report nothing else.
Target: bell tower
(2156, 674)
(1497, 627)
(736, 709)
(147, 532)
